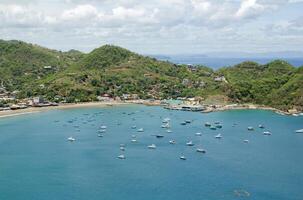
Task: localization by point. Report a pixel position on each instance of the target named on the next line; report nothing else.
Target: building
(38, 100)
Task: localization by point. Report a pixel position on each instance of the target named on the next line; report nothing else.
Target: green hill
(75, 76)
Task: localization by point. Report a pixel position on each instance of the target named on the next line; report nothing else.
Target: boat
(207, 124)
(103, 127)
(134, 136)
(122, 145)
(217, 122)
(266, 133)
(133, 140)
(299, 131)
(183, 123)
(102, 131)
(159, 136)
(122, 148)
(219, 136)
(71, 139)
(198, 134)
(182, 157)
(172, 142)
(166, 125)
(121, 156)
(200, 150)
(140, 130)
(190, 143)
(261, 126)
(152, 146)
(100, 135)
(246, 141)
(250, 128)
(188, 121)
(166, 120)
(218, 126)
(134, 127)
(169, 131)
(213, 128)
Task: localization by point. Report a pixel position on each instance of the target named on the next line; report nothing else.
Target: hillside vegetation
(112, 70)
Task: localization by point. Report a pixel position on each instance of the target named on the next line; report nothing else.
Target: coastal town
(10, 102)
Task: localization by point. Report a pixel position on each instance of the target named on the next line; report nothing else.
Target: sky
(156, 26)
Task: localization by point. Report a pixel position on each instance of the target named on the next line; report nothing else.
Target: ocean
(217, 62)
(37, 161)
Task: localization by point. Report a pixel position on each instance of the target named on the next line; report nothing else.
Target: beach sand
(30, 110)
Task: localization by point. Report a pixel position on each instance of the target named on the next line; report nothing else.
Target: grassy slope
(114, 70)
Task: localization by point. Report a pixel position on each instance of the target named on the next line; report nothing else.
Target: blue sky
(157, 26)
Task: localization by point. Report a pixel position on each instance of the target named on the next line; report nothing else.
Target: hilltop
(114, 71)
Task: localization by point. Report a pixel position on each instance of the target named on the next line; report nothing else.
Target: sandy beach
(30, 110)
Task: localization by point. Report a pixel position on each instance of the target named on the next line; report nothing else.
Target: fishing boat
(103, 127)
(266, 133)
(152, 146)
(261, 126)
(172, 142)
(140, 130)
(182, 157)
(122, 148)
(246, 141)
(219, 136)
(71, 139)
(121, 157)
(200, 150)
(190, 143)
(218, 126)
(133, 140)
(207, 124)
(250, 128)
(299, 131)
(198, 134)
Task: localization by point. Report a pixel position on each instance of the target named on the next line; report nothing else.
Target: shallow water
(37, 161)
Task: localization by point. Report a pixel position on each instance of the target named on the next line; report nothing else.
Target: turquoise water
(37, 161)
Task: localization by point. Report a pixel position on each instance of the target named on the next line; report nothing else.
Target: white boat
(140, 130)
(169, 131)
(261, 126)
(122, 148)
(102, 131)
(134, 136)
(183, 123)
(166, 120)
(207, 124)
(122, 145)
(266, 133)
(299, 131)
(246, 141)
(172, 142)
(219, 136)
(71, 139)
(250, 128)
(198, 134)
(133, 140)
(103, 127)
(166, 125)
(182, 157)
(152, 146)
(199, 150)
(121, 156)
(134, 127)
(100, 135)
(190, 143)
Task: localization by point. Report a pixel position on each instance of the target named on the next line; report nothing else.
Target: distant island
(32, 75)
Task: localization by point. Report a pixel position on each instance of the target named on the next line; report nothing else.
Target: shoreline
(31, 110)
